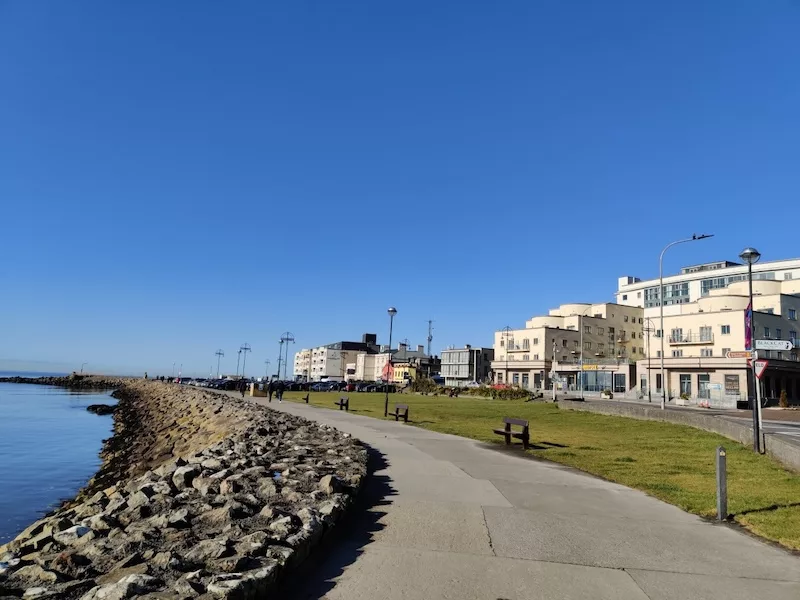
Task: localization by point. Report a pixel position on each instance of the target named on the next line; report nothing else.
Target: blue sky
(177, 177)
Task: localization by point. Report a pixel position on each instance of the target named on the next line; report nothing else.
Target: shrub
(784, 400)
(424, 385)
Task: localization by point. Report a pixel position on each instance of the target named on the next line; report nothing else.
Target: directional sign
(774, 345)
(761, 366)
(739, 354)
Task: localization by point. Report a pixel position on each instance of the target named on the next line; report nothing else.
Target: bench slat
(511, 421)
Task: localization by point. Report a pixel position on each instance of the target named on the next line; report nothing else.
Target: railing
(692, 338)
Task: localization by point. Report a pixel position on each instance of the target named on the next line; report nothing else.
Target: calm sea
(49, 448)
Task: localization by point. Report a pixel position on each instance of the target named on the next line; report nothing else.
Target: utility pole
(286, 336)
(553, 370)
(238, 360)
(430, 335)
(280, 356)
(266, 368)
(219, 354)
(649, 329)
(506, 335)
(244, 349)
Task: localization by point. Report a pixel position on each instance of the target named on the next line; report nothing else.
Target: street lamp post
(266, 368)
(219, 354)
(173, 370)
(506, 336)
(752, 256)
(286, 337)
(392, 311)
(280, 356)
(553, 370)
(694, 238)
(245, 349)
(83, 365)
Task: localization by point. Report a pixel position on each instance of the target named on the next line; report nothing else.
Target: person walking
(279, 389)
(242, 386)
(270, 389)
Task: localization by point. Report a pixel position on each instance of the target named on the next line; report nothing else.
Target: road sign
(739, 354)
(761, 366)
(774, 345)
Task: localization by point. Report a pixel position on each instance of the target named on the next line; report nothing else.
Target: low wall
(784, 452)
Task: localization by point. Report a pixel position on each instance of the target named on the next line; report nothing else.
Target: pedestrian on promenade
(270, 389)
(242, 386)
(279, 388)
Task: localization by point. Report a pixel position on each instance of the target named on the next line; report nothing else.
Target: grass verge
(671, 462)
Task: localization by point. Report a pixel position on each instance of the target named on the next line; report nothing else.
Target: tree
(784, 400)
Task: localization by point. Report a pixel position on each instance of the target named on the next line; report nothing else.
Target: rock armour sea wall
(200, 496)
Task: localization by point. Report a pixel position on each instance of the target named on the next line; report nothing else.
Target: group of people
(273, 387)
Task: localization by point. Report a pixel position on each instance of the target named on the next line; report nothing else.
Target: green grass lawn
(671, 462)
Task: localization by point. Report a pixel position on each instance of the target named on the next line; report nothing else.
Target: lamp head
(750, 255)
(392, 311)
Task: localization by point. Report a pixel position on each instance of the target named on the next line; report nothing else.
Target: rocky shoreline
(200, 495)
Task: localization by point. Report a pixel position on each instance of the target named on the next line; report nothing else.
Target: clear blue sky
(177, 177)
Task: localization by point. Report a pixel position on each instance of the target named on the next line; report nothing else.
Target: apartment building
(461, 366)
(405, 364)
(697, 281)
(698, 335)
(329, 362)
(599, 343)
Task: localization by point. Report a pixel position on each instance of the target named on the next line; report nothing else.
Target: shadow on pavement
(345, 543)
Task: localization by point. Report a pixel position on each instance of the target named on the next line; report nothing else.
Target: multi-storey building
(329, 362)
(464, 365)
(598, 342)
(406, 364)
(698, 335)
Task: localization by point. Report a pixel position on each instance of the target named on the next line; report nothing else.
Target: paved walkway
(452, 518)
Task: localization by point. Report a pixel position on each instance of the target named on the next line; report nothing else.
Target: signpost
(739, 354)
(760, 367)
(774, 345)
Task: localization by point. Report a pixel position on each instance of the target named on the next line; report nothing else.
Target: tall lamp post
(392, 311)
(244, 350)
(219, 354)
(83, 365)
(280, 356)
(694, 238)
(751, 256)
(506, 336)
(266, 369)
(286, 337)
(238, 361)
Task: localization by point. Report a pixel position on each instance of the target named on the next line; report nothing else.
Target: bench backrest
(510, 421)
(401, 407)
(344, 399)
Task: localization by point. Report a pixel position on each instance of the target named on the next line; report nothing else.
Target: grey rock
(183, 476)
(330, 484)
(281, 527)
(138, 499)
(72, 536)
(127, 587)
(179, 519)
(206, 485)
(212, 464)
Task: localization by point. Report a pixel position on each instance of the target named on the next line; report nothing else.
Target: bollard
(722, 485)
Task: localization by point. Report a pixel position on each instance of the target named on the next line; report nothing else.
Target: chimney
(421, 348)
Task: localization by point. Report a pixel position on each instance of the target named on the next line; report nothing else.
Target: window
(787, 276)
(515, 378)
(633, 350)
(641, 350)
(641, 320)
(587, 345)
(502, 343)
(658, 333)
(611, 332)
(626, 318)
(725, 351)
(705, 334)
(499, 378)
(676, 335)
(587, 329)
(601, 347)
(677, 353)
(777, 334)
(633, 335)
(638, 294)
(793, 335)
(706, 352)
(535, 357)
(766, 332)
(575, 344)
(658, 355)
(792, 314)
(624, 296)
(686, 384)
(563, 343)
(600, 331)
(780, 355)
(535, 341)
(526, 357)
(725, 329)
(526, 344)
(525, 380)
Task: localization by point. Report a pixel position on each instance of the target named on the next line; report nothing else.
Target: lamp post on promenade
(648, 329)
(392, 311)
(751, 256)
(694, 238)
(286, 337)
(83, 365)
(581, 348)
(244, 350)
(219, 353)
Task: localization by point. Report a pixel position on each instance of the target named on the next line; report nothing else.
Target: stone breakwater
(200, 496)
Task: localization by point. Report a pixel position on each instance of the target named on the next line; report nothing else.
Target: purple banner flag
(748, 322)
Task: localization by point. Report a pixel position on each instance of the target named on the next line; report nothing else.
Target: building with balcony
(697, 281)
(406, 364)
(461, 366)
(596, 343)
(698, 335)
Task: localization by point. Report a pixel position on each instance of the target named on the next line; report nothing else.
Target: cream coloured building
(699, 334)
(601, 341)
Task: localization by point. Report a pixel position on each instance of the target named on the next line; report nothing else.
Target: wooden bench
(508, 433)
(305, 398)
(400, 411)
(343, 403)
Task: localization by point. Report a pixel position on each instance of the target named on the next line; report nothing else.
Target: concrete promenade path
(453, 518)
